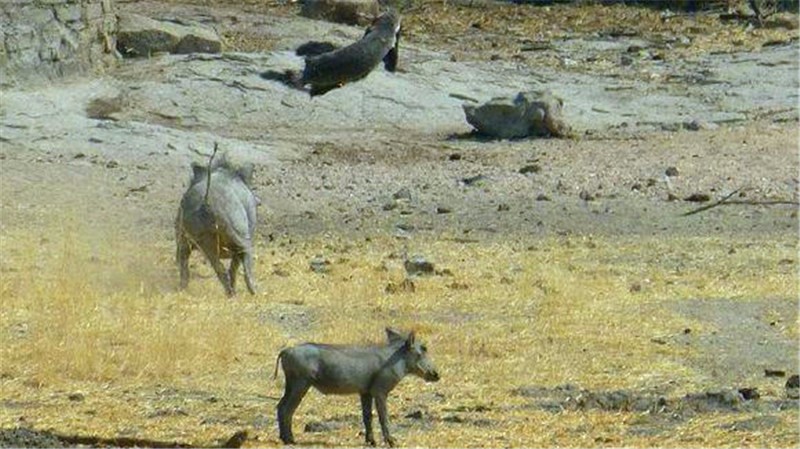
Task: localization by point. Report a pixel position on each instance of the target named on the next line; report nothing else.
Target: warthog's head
(415, 354)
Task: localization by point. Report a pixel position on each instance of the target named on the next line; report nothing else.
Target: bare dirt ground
(417, 183)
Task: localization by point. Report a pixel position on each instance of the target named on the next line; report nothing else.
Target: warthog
(369, 371)
(329, 70)
(218, 215)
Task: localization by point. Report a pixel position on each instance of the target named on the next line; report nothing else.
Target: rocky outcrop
(44, 40)
(528, 114)
(351, 12)
(142, 36)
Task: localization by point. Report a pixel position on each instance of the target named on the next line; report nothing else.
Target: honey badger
(327, 68)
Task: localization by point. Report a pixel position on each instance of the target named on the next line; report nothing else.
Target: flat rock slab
(194, 99)
(351, 12)
(426, 95)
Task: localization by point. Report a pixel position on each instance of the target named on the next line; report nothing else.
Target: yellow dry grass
(85, 311)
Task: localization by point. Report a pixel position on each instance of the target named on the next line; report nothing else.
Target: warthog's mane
(222, 163)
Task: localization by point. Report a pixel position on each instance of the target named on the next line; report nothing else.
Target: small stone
(473, 180)
(318, 426)
(503, 207)
(532, 168)
(236, 440)
(697, 125)
(793, 381)
(698, 198)
(542, 197)
(453, 419)
(671, 171)
(402, 194)
(112, 164)
(454, 157)
(417, 414)
(774, 373)
(443, 210)
(749, 393)
(407, 286)
(417, 266)
(76, 397)
(319, 265)
(586, 196)
(458, 286)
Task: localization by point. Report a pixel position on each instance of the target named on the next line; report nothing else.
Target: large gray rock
(143, 36)
(351, 12)
(44, 40)
(528, 114)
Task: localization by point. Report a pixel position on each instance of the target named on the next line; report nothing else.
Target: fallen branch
(235, 441)
(727, 201)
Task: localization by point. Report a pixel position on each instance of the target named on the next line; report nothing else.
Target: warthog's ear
(245, 172)
(393, 335)
(410, 340)
(198, 172)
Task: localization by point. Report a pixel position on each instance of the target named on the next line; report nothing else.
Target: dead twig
(726, 200)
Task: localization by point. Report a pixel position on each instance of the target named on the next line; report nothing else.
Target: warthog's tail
(208, 172)
(277, 360)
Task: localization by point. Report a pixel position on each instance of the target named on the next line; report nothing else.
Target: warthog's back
(347, 64)
(229, 215)
(336, 369)
(355, 61)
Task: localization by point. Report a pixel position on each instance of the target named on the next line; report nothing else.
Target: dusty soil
(129, 172)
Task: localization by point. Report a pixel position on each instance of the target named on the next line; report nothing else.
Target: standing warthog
(218, 215)
(369, 371)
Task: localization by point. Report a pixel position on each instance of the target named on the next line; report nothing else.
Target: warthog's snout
(431, 376)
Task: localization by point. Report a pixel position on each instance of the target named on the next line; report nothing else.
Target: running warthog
(328, 67)
(218, 215)
(369, 371)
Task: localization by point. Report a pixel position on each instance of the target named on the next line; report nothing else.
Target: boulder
(350, 12)
(142, 36)
(528, 114)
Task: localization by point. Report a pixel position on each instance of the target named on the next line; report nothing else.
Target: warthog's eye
(423, 348)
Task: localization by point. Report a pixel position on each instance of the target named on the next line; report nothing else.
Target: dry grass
(493, 30)
(86, 311)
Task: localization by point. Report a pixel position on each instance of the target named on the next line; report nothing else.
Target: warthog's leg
(293, 393)
(366, 415)
(236, 260)
(222, 273)
(184, 250)
(383, 417)
(248, 271)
